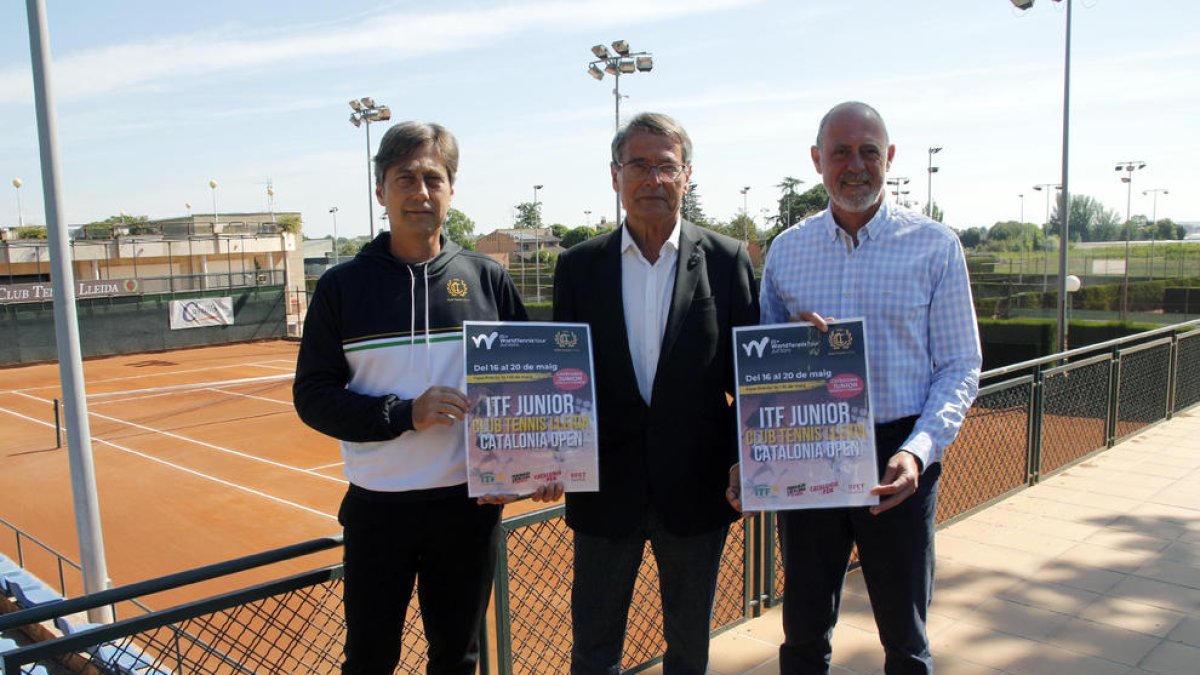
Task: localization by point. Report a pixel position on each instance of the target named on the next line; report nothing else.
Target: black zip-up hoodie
(379, 332)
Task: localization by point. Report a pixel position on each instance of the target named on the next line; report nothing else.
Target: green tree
(934, 212)
(528, 215)
(743, 227)
(29, 232)
(577, 235)
(1166, 228)
(559, 230)
(289, 223)
(799, 207)
(691, 209)
(105, 229)
(1090, 220)
(789, 209)
(1013, 236)
(460, 229)
(972, 236)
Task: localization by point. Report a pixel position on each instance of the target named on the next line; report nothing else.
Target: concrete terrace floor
(1093, 571)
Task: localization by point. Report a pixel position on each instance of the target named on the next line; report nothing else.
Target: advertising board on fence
(199, 312)
(806, 434)
(44, 292)
(531, 415)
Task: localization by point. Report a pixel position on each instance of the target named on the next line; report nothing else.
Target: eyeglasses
(640, 171)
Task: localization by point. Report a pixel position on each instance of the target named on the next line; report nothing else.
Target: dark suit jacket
(672, 456)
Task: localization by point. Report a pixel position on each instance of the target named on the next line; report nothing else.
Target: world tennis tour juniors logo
(756, 347)
(485, 340)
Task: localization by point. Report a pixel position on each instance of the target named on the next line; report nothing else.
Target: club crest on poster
(806, 433)
(531, 417)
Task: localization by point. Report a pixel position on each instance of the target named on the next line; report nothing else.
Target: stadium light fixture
(16, 183)
(365, 112)
(623, 62)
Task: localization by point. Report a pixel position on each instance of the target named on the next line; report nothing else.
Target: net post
(57, 424)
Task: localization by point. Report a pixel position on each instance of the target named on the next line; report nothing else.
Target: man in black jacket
(662, 296)
(381, 369)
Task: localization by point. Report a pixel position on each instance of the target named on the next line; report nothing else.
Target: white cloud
(382, 37)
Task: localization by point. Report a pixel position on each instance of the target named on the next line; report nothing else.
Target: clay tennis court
(199, 458)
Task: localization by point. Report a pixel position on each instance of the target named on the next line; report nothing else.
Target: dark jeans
(446, 541)
(605, 572)
(896, 553)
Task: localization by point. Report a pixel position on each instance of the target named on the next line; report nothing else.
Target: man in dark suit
(662, 297)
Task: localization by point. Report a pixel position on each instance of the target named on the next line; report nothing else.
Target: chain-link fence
(1030, 420)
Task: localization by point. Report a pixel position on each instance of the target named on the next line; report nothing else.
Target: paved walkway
(1094, 571)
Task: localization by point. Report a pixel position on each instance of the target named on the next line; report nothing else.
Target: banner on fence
(199, 312)
(44, 292)
(531, 416)
(806, 434)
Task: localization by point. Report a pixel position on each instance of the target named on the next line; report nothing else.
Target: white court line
(243, 488)
(110, 401)
(290, 369)
(251, 396)
(170, 373)
(188, 387)
(101, 399)
(327, 466)
(203, 444)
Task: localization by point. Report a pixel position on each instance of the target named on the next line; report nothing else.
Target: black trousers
(443, 538)
(897, 557)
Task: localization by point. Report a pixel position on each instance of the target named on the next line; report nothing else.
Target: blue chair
(127, 660)
(32, 592)
(7, 644)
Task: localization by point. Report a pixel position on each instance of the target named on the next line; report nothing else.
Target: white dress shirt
(646, 291)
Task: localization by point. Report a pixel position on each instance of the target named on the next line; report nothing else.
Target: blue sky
(157, 98)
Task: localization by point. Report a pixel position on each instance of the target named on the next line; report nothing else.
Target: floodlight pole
(931, 169)
(641, 61)
(1065, 208)
(1047, 187)
(365, 112)
(333, 211)
(537, 245)
(1128, 168)
(1154, 226)
(745, 212)
(16, 183)
(370, 186)
(66, 325)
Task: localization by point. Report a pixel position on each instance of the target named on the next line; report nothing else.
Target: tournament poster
(806, 434)
(531, 416)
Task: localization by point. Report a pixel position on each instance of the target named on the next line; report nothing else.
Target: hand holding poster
(807, 437)
(531, 416)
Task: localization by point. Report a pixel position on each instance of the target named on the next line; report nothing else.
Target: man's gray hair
(653, 123)
(403, 140)
(857, 106)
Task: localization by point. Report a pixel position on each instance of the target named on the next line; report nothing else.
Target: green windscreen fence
(138, 323)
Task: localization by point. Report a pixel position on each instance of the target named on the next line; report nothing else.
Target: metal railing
(61, 562)
(1030, 420)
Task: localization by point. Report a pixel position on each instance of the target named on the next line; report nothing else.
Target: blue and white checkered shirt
(908, 278)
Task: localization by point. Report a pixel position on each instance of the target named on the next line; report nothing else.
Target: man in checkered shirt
(906, 275)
